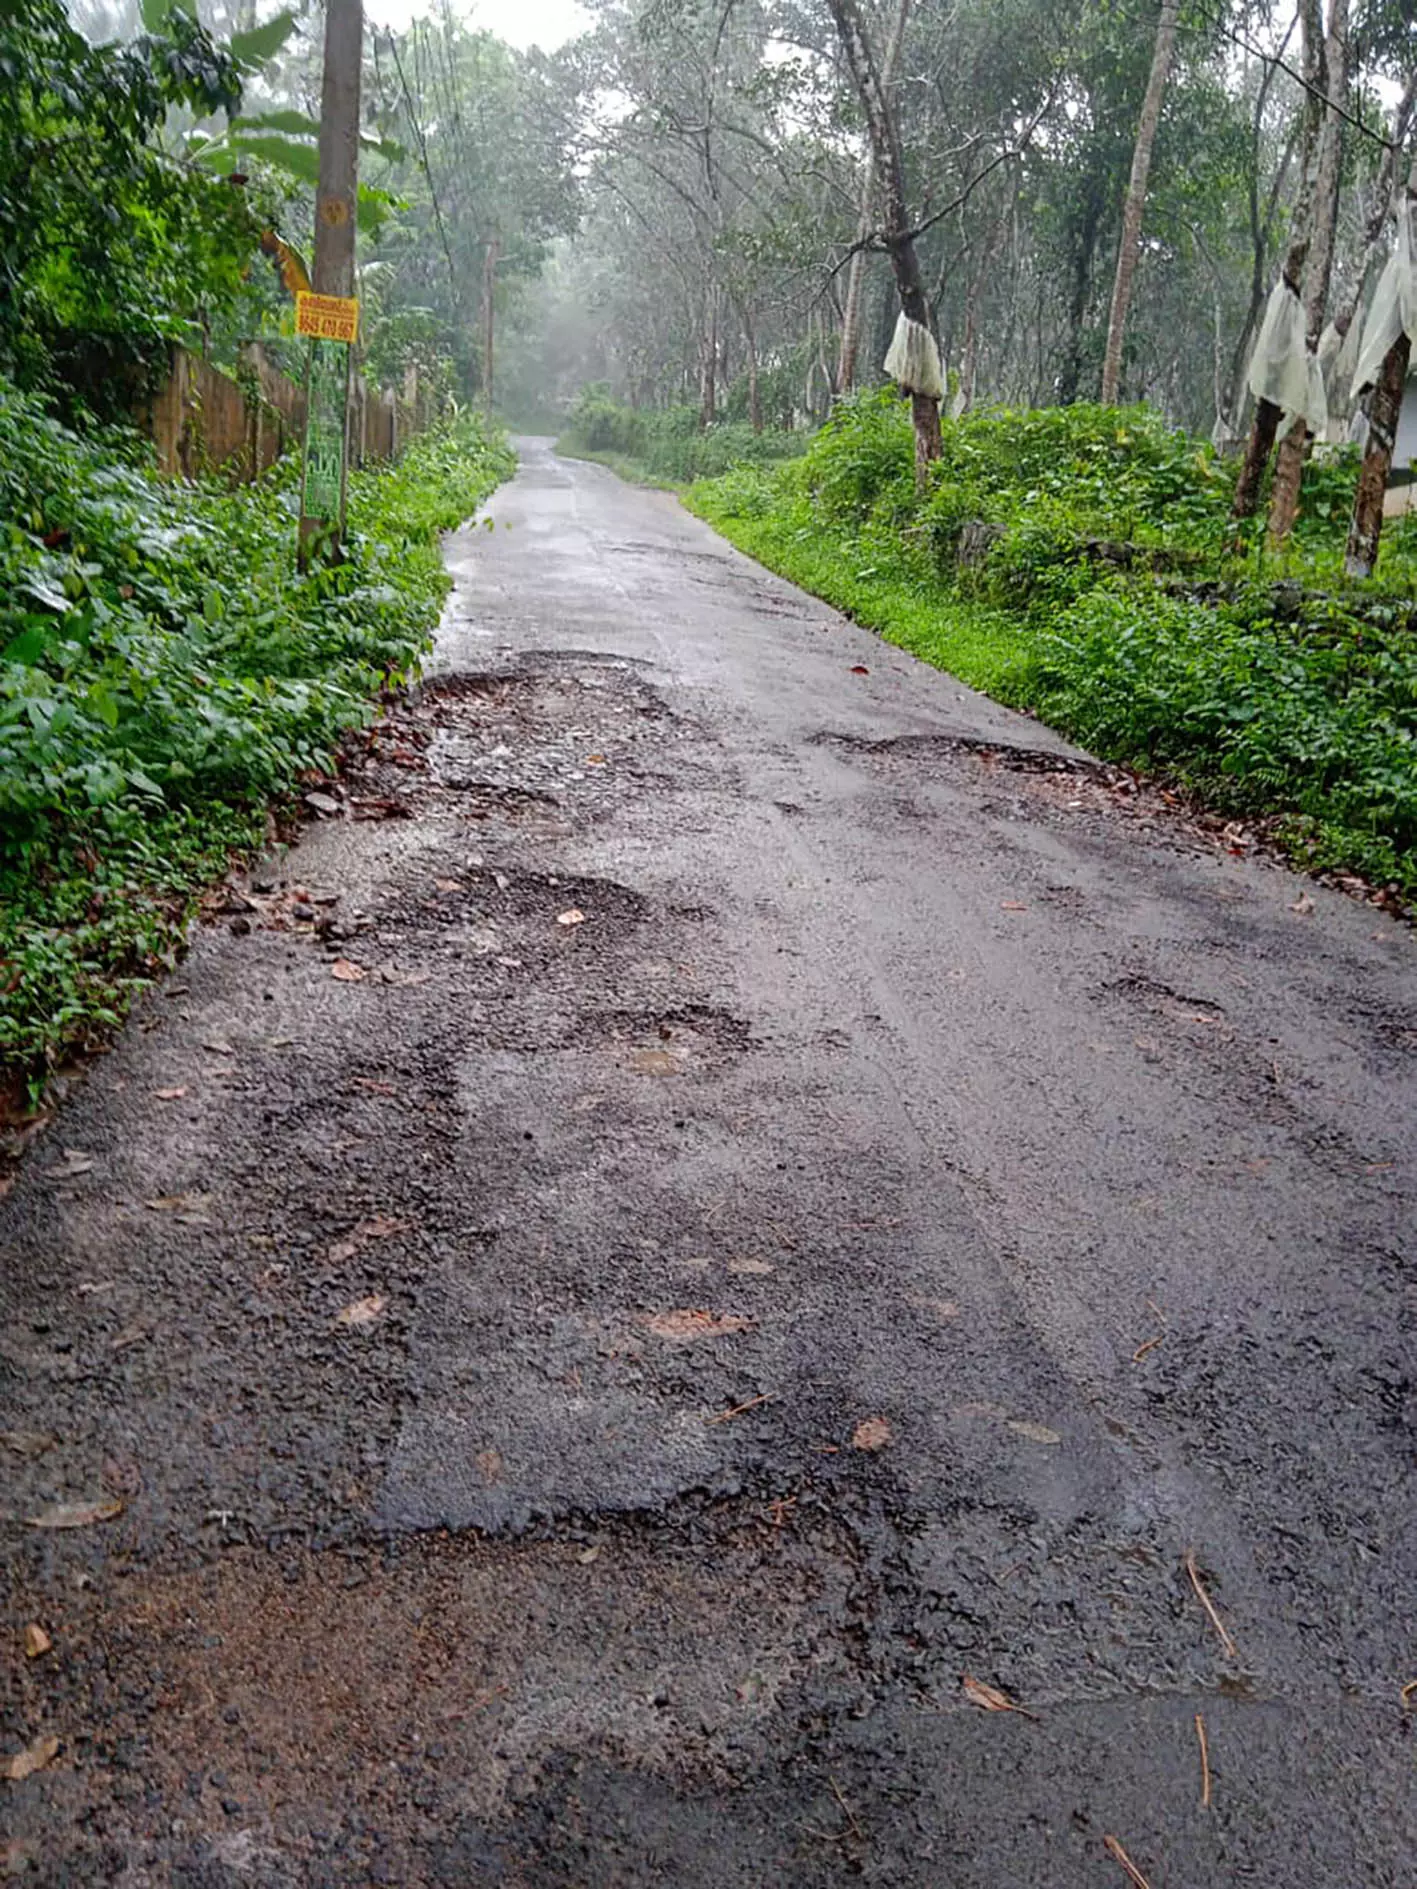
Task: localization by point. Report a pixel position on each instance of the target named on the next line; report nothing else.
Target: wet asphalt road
(777, 1188)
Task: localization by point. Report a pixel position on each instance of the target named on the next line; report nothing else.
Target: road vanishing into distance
(729, 1212)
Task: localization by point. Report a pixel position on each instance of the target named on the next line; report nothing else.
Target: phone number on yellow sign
(327, 317)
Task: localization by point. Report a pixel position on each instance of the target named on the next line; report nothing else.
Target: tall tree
(1135, 205)
(1384, 414)
(1318, 268)
(884, 131)
(856, 276)
(1264, 427)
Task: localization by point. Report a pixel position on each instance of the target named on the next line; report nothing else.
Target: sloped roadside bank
(1066, 562)
(165, 676)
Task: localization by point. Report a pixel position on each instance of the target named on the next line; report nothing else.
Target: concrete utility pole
(336, 199)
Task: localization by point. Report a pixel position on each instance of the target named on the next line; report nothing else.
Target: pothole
(550, 736)
(1163, 1001)
(665, 1042)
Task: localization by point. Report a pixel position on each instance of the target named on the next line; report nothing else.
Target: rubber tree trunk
(1384, 413)
(1265, 425)
(1134, 206)
(489, 320)
(856, 276)
(900, 243)
(750, 362)
(1289, 468)
(708, 365)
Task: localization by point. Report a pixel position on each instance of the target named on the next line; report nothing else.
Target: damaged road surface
(608, 1329)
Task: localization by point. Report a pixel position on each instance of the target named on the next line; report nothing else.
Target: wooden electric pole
(336, 202)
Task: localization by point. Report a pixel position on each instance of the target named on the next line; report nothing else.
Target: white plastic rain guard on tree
(913, 359)
(1282, 368)
(1394, 309)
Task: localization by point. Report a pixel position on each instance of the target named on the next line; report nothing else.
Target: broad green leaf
(27, 647)
(47, 594)
(301, 161)
(388, 148)
(297, 123)
(262, 42)
(373, 209)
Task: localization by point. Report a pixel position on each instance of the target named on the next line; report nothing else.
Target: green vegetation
(667, 447)
(1100, 596)
(164, 673)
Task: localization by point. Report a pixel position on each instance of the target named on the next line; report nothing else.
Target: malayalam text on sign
(327, 317)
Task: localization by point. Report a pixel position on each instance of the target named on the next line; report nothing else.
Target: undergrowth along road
(1069, 562)
(165, 675)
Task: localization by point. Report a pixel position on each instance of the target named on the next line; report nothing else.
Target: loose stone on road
(758, 1275)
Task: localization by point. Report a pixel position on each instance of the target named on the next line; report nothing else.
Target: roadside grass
(632, 471)
(1072, 563)
(165, 676)
(667, 448)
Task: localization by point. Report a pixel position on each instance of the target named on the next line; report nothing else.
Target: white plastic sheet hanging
(1394, 309)
(1338, 355)
(914, 360)
(1282, 370)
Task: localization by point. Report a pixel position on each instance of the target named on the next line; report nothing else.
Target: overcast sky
(544, 23)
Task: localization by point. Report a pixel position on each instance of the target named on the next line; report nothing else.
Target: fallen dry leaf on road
(1115, 1850)
(27, 1442)
(75, 1162)
(373, 1085)
(658, 1062)
(170, 1095)
(990, 1697)
(346, 971)
(1303, 905)
(572, 917)
(595, 760)
(722, 1416)
(1033, 1432)
(190, 1209)
(379, 1227)
(1012, 905)
(218, 1048)
(75, 1514)
(680, 1325)
(859, 669)
(22, 1764)
(363, 1312)
(873, 1433)
(380, 807)
(37, 1641)
(1231, 1650)
(1204, 1744)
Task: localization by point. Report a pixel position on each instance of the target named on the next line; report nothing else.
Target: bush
(667, 446)
(164, 672)
(1101, 594)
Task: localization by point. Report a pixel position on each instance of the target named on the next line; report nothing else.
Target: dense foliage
(150, 706)
(1072, 561)
(667, 447)
(110, 247)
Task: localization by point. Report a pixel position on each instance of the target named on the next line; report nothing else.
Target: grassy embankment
(1100, 596)
(165, 675)
(667, 448)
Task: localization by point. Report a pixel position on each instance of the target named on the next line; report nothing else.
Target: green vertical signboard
(327, 394)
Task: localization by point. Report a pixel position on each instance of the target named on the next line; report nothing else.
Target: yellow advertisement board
(327, 317)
